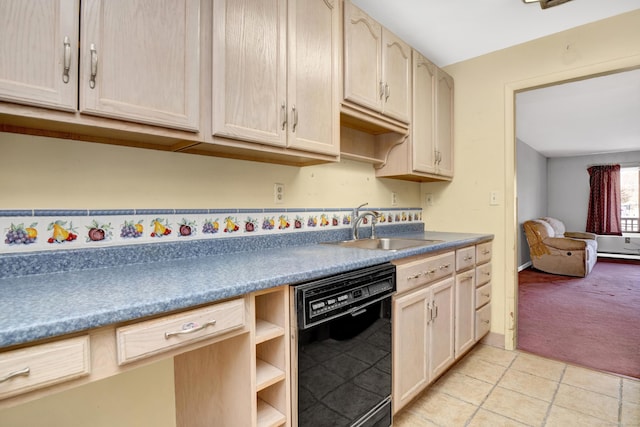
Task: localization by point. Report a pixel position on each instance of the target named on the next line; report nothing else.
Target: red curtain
(604, 200)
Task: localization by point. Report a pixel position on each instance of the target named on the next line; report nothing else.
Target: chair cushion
(557, 225)
(543, 228)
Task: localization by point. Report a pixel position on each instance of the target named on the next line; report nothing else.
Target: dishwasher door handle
(358, 312)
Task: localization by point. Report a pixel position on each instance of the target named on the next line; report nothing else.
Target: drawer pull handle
(189, 328)
(486, 252)
(485, 321)
(486, 295)
(445, 266)
(13, 374)
(468, 258)
(487, 273)
(431, 271)
(415, 276)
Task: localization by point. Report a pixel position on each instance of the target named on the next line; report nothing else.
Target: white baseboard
(525, 265)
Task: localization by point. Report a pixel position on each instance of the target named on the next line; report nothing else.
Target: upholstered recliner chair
(554, 250)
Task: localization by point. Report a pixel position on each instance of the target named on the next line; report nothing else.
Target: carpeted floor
(592, 321)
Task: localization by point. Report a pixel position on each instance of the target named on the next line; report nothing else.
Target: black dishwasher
(342, 354)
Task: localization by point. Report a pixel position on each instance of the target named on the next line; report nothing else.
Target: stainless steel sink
(385, 244)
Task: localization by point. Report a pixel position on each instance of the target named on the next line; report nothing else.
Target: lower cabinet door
(465, 312)
(410, 341)
(442, 327)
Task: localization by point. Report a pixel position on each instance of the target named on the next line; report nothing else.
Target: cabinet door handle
(387, 92)
(469, 277)
(189, 328)
(430, 313)
(94, 66)
(435, 306)
(381, 89)
(295, 118)
(67, 60)
(283, 114)
(24, 371)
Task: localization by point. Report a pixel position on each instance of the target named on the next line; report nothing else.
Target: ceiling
(592, 116)
(585, 117)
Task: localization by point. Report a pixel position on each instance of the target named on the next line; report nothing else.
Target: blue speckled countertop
(40, 306)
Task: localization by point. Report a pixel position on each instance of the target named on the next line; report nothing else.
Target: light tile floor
(493, 387)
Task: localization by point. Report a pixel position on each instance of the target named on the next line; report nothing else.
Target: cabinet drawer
(155, 336)
(483, 274)
(465, 258)
(43, 365)
(483, 295)
(483, 321)
(483, 252)
(416, 273)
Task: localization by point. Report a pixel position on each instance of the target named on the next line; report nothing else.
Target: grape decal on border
(21, 235)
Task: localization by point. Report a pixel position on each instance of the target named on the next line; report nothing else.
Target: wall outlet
(278, 193)
(394, 198)
(429, 199)
(627, 239)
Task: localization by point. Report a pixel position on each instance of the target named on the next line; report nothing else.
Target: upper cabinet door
(396, 75)
(249, 70)
(423, 121)
(313, 89)
(140, 61)
(39, 52)
(362, 62)
(444, 123)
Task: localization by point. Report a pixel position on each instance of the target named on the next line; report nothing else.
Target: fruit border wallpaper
(42, 230)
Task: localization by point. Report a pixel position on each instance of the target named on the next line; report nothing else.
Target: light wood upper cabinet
(444, 124)
(140, 61)
(249, 70)
(313, 83)
(38, 42)
(377, 66)
(423, 120)
(428, 153)
(270, 92)
(396, 75)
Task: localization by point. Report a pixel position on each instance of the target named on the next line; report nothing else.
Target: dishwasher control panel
(327, 298)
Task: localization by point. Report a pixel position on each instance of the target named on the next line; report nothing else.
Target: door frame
(511, 231)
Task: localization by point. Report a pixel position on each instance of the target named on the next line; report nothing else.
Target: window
(630, 199)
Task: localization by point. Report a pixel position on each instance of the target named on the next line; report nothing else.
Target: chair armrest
(580, 235)
(564, 244)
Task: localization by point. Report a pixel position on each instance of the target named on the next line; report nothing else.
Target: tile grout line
(620, 394)
(491, 391)
(553, 398)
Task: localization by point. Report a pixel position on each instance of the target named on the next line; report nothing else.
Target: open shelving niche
(272, 358)
(369, 139)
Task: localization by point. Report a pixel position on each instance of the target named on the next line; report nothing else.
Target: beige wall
(143, 397)
(485, 140)
(38, 172)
